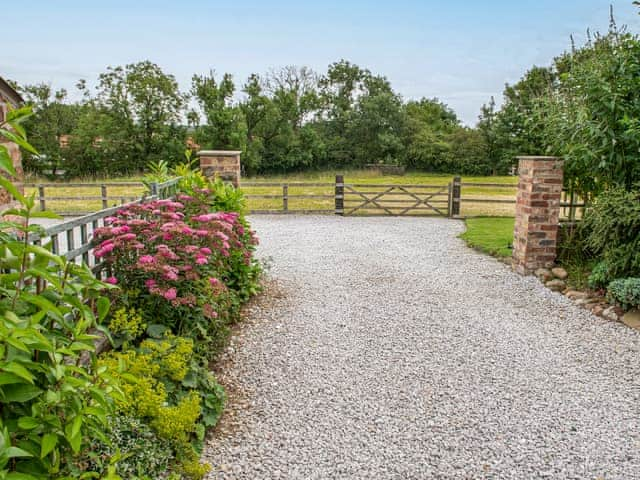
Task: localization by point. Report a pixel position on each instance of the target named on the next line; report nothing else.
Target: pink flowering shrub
(181, 265)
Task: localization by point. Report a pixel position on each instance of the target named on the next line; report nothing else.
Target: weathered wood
(84, 239)
(339, 195)
(41, 197)
(291, 212)
(402, 192)
(491, 185)
(487, 200)
(84, 185)
(456, 194)
(290, 184)
(387, 185)
(285, 197)
(103, 190)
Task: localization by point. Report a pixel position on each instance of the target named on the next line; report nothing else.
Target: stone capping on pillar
(537, 213)
(224, 164)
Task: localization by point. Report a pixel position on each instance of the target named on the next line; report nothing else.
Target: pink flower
(205, 251)
(200, 260)
(150, 283)
(112, 280)
(128, 236)
(170, 294)
(146, 259)
(171, 276)
(214, 282)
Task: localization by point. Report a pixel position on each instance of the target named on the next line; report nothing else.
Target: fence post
(154, 189)
(285, 197)
(455, 196)
(339, 195)
(450, 200)
(43, 202)
(105, 200)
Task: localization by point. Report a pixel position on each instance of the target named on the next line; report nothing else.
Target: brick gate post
(537, 213)
(221, 163)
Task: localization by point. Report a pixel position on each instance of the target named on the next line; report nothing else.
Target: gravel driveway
(399, 353)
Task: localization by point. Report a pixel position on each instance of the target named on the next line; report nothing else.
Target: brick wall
(537, 213)
(6, 201)
(224, 164)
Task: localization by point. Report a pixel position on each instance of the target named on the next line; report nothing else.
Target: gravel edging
(399, 353)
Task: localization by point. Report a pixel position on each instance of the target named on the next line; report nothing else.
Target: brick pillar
(221, 163)
(537, 213)
(6, 200)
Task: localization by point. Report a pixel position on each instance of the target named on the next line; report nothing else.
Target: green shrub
(612, 227)
(142, 455)
(600, 276)
(164, 384)
(625, 292)
(54, 400)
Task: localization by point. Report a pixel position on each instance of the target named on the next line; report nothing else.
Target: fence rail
(455, 198)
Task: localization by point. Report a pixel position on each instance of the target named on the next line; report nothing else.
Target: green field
(491, 235)
(370, 178)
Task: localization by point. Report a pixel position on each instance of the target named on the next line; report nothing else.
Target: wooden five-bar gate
(348, 199)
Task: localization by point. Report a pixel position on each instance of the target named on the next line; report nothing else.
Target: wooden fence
(73, 238)
(90, 196)
(455, 198)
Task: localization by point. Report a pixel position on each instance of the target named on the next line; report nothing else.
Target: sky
(462, 52)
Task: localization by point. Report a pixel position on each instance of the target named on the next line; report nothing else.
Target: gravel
(399, 353)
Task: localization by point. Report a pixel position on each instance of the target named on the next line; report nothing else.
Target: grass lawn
(492, 235)
(370, 178)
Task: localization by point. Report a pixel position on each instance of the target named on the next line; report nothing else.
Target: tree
(133, 118)
(594, 114)
(52, 121)
(224, 124)
(430, 123)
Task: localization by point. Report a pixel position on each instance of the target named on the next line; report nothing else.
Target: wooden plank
(405, 193)
(279, 196)
(290, 184)
(285, 198)
(290, 212)
(491, 185)
(396, 185)
(84, 185)
(486, 200)
(408, 200)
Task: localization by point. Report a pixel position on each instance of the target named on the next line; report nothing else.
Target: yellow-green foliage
(176, 422)
(127, 323)
(143, 374)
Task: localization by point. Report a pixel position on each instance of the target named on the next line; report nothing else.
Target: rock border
(555, 279)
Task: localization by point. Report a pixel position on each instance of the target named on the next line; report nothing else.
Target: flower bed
(179, 272)
(183, 273)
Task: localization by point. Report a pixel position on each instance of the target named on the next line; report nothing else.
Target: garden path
(398, 353)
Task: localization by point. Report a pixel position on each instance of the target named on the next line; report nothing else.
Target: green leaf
(6, 162)
(20, 476)
(7, 378)
(14, 452)
(28, 423)
(19, 393)
(11, 188)
(156, 330)
(19, 370)
(49, 442)
(76, 426)
(46, 214)
(103, 305)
